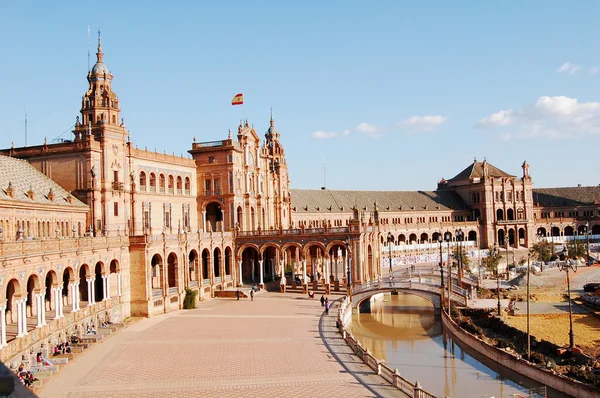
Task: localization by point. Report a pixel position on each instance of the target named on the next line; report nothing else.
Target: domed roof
(99, 68)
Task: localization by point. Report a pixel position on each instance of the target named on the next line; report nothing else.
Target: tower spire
(99, 54)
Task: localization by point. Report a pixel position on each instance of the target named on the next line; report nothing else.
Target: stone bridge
(361, 296)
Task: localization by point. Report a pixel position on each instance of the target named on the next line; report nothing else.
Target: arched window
(152, 182)
(161, 183)
(142, 181)
(179, 184)
(187, 185)
(171, 184)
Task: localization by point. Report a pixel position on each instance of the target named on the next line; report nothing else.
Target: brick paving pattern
(276, 346)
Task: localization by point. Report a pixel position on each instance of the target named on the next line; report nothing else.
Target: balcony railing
(213, 192)
(117, 186)
(173, 290)
(193, 283)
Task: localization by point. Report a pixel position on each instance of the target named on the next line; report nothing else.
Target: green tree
(492, 262)
(542, 251)
(464, 259)
(576, 249)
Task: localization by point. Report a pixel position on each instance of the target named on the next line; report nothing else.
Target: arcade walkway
(272, 347)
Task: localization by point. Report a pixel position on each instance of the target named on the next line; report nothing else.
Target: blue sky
(386, 95)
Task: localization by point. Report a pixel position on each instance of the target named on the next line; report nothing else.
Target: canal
(405, 332)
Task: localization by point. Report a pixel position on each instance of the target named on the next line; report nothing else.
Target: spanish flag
(238, 99)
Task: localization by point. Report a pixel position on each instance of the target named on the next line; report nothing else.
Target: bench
(59, 360)
(91, 337)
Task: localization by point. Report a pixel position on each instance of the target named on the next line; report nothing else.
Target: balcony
(117, 186)
(214, 192)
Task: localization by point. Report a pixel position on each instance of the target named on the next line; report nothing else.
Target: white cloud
(594, 70)
(324, 135)
(568, 67)
(370, 129)
(554, 117)
(422, 124)
(500, 118)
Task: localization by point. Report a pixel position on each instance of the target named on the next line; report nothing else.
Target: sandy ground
(550, 287)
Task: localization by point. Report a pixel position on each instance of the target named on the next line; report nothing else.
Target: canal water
(404, 331)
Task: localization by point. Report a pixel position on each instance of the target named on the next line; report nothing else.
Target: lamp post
(495, 254)
(587, 242)
(539, 240)
(440, 240)
(348, 284)
(459, 237)
(448, 238)
(390, 239)
(528, 329)
(567, 266)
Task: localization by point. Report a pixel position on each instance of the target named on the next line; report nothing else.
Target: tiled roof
(567, 196)
(475, 170)
(22, 177)
(309, 200)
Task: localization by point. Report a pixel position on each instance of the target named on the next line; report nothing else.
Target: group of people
(62, 348)
(25, 376)
(325, 303)
(239, 294)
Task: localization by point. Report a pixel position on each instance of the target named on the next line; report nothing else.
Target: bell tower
(105, 165)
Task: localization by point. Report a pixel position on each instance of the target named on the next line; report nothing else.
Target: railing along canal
(392, 376)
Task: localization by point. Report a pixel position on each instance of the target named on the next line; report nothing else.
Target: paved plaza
(278, 345)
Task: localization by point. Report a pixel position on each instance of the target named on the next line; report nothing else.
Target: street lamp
(539, 240)
(390, 239)
(528, 329)
(567, 266)
(495, 254)
(587, 242)
(348, 260)
(448, 239)
(440, 240)
(459, 237)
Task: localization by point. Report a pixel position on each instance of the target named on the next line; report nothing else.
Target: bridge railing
(392, 376)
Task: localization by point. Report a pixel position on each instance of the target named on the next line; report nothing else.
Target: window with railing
(171, 184)
(142, 181)
(179, 185)
(152, 182)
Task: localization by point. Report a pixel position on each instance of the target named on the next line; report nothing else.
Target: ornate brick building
(105, 230)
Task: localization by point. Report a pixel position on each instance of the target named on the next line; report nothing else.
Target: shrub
(189, 302)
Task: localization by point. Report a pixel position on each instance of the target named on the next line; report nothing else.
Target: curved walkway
(276, 346)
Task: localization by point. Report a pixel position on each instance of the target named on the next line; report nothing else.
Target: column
(204, 221)
(57, 301)
(104, 287)
(252, 264)
(3, 324)
(38, 304)
(24, 317)
(73, 286)
(107, 287)
(304, 281)
(19, 318)
(77, 296)
(240, 264)
(43, 302)
(282, 264)
(260, 266)
(90, 292)
(119, 284)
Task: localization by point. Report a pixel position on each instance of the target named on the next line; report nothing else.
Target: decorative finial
(229, 135)
(99, 54)
(194, 139)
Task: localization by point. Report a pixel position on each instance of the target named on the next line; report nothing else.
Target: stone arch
(595, 229)
(541, 232)
(13, 293)
(314, 253)
(171, 183)
(435, 236)
(152, 182)
(113, 284)
(214, 216)
(500, 215)
(240, 218)
(99, 272)
(554, 231)
(501, 237)
(569, 231)
(187, 185)
(179, 184)
(33, 287)
(472, 236)
(521, 236)
(156, 271)
(249, 255)
(228, 260)
(68, 277)
(412, 238)
(217, 262)
(401, 238)
(193, 265)
(424, 237)
(161, 182)
(172, 270)
(205, 264)
(50, 282)
(269, 254)
(510, 214)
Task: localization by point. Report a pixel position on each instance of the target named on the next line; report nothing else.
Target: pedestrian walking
(251, 295)
(237, 294)
(322, 301)
(326, 307)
